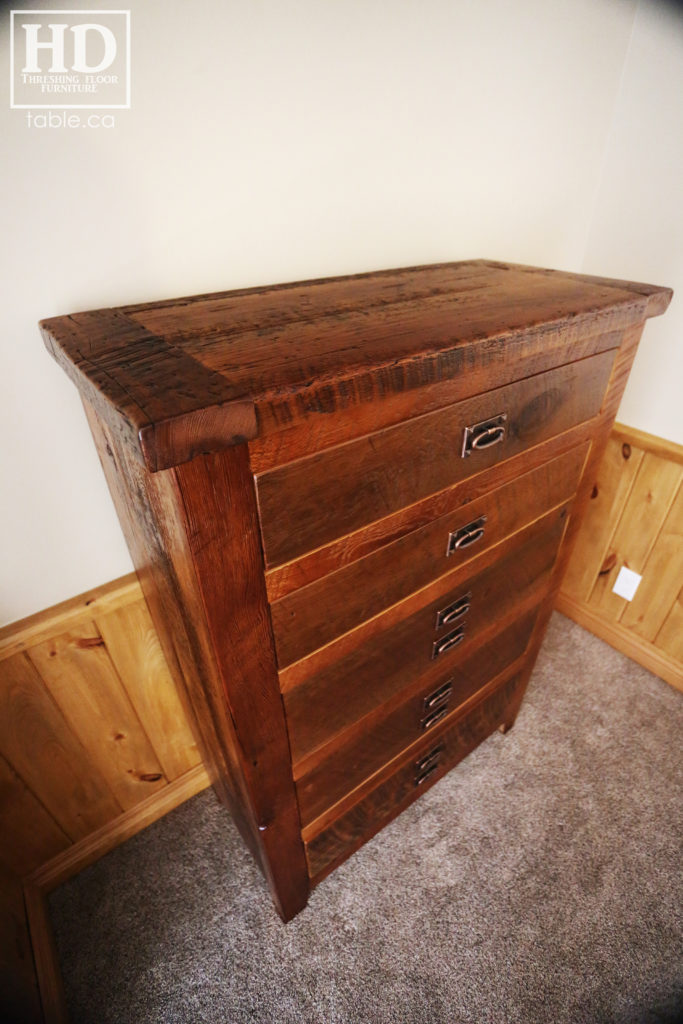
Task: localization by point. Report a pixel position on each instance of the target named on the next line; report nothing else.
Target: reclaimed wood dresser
(350, 503)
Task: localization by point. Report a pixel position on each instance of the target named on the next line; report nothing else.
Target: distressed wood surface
(368, 749)
(326, 847)
(345, 550)
(315, 614)
(352, 396)
(325, 658)
(330, 700)
(175, 379)
(309, 502)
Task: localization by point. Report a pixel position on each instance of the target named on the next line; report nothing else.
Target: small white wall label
(626, 583)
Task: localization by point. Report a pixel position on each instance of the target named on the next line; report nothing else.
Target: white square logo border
(48, 13)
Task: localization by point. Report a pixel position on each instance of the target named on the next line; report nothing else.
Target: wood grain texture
(344, 550)
(326, 848)
(662, 574)
(175, 379)
(164, 405)
(332, 699)
(618, 471)
(197, 569)
(151, 517)
(357, 392)
(229, 567)
(30, 834)
(640, 483)
(82, 681)
(37, 741)
(69, 688)
(315, 614)
(641, 521)
(457, 580)
(369, 748)
(469, 370)
(80, 855)
(310, 502)
(330, 350)
(133, 646)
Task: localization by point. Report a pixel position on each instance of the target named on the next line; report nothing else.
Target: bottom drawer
(368, 749)
(440, 753)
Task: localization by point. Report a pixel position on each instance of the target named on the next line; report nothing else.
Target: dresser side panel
(219, 506)
(153, 516)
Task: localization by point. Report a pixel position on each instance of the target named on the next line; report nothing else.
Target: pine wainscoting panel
(91, 726)
(634, 520)
(94, 746)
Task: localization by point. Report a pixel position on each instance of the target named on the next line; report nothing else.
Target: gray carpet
(539, 882)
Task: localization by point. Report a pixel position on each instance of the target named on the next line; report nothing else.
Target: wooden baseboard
(45, 956)
(623, 640)
(95, 845)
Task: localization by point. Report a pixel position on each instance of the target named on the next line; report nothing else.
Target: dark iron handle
(429, 720)
(438, 697)
(463, 538)
(448, 642)
(487, 438)
(466, 535)
(453, 611)
(423, 776)
(480, 436)
(429, 760)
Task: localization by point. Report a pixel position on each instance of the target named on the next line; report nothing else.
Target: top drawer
(310, 502)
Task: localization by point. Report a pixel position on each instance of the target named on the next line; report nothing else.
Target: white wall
(274, 141)
(637, 227)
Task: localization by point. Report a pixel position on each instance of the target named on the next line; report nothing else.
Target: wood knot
(626, 450)
(608, 564)
(120, 736)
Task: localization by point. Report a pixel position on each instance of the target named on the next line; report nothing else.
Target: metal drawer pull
(466, 535)
(438, 697)
(429, 760)
(448, 642)
(419, 779)
(453, 611)
(429, 720)
(483, 435)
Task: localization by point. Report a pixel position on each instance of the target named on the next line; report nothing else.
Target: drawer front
(427, 708)
(336, 697)
(314, 500)
(314, 615)
(412, 777)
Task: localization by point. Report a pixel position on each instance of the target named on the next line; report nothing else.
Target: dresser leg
(506, 726)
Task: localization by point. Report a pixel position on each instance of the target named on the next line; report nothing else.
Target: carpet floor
(540, 881)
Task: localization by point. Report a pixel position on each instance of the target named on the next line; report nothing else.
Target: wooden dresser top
(186, 376)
